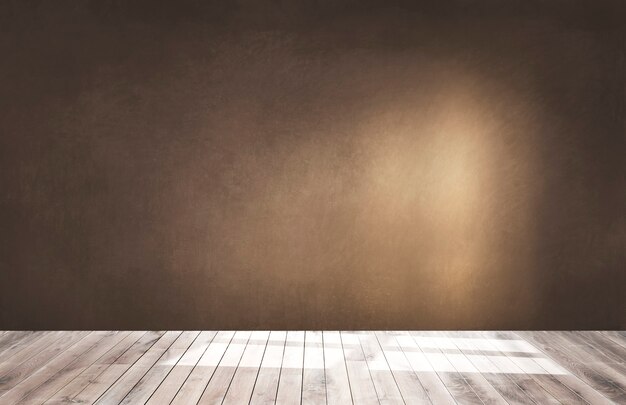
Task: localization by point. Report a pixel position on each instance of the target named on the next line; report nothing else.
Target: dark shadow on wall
(581, 221)
(337, 165)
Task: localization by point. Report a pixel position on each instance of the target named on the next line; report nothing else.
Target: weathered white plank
(314, 376)
(266, 386)
(117, 392)
(193, 387)
(242, 385)
(290, 380)
(223, 375)
(337, 381)
(384, 382)
(91, 373)
(182, 369)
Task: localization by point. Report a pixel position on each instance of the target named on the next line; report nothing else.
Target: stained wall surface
(312, 164)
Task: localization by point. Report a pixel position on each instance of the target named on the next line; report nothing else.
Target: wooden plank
(67, 366)
(181, 371)
(341, 367)
(408, 382)
(91, 373)
(552, 385)
(384, 382)
(579, 387)
(558, 365)
(121, 387)
(313, 375)
(242, 385)
(533, 369)
(590, 358)
(603, 343)
(363, 390)
(481, 386)
(146, 386)
(432, 383)
(601, 350)
(217, 387)
(33, 363)
(266, 386)
(13, 342)
(115, 369)
(7, 338)
(193, 387)
(291, 372)
(19, 354)
(616, 336)
(455, 383)
(337, 381)
(500, 374)
(513, 372)
(593, 360)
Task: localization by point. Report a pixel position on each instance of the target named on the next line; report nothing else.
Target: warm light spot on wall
(408, 196)
(431, 177)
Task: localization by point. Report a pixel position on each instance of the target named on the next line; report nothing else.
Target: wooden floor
(390, 367)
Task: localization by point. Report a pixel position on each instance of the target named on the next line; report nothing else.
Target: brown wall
(303, 164)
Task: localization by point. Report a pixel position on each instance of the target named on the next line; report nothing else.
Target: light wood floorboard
(312, 367)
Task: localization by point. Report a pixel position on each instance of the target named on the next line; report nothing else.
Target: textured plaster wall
(333, 164)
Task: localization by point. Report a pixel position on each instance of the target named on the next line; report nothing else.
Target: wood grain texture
(460, 389)
(433, 384)
(56, 374)
(170, 386)
(151, 380)
(292, 369)
(266, 386)
(481, 386)
(386, 386)
(314, 372)
(220, 381)
(93, 372)
(12, 342)
(33, 364)
(295, 367)
(492, 368)
(530, 387)
(133, 375)
(338, 389)
(408, 382)
(361, 383)
(193, 388)
(532, 368)
(586, 385)
(245, 378)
